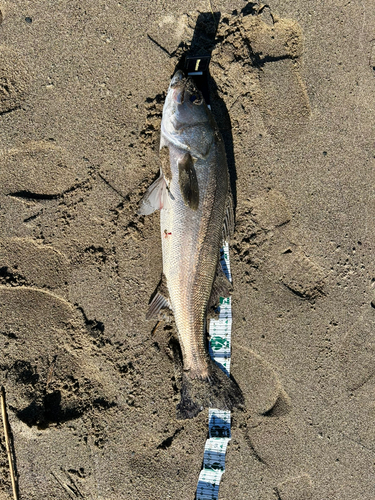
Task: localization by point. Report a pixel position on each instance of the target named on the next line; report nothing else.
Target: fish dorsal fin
(160, 300)
(222, 287)
(228, 226)
(156, 197)
(187, 179)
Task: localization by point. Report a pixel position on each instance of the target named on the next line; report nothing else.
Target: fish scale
(190, 254)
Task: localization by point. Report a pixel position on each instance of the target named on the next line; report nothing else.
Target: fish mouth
(177, 77)
(177, 87)
(183, 88)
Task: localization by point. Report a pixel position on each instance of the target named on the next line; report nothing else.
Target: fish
(196, 213)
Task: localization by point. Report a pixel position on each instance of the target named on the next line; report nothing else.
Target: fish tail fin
(217, 390)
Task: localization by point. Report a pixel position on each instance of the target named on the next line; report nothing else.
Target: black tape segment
(197, 68)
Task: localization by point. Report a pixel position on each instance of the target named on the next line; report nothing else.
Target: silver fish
(194, 199)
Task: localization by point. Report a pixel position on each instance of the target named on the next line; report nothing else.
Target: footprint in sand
(170, 32)
(24, 261)
(46, 341)
(51, 360)
(32, 178)
(265, 241)
(356, 359)
(256, 64)
(38, 170)
(257, 68)
(268, 423)
(49, 379)
(276, 47)
(357, 352)
(295, 488)
(14, 79)
(269, 437)
(265, 394)
(42, 337)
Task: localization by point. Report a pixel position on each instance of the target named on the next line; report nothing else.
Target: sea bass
(194, 199)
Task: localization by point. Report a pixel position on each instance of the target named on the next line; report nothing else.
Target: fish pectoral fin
(222, 287)
(156, 197)
(187, 178)
(160, 300)
(228, 226)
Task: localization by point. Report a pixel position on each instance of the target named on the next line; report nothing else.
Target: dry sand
(91, 393)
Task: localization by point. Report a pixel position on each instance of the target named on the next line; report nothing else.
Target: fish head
(187, 122)
(187, 101)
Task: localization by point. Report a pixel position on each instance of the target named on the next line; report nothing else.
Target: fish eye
(193, 98)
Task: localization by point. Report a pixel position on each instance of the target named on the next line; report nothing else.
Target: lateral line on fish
(219, 421)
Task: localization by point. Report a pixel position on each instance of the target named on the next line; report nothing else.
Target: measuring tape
(219, 342)
(218, 420)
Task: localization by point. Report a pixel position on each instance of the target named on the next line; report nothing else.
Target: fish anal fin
(160, 299)
(221, 287)
(188, 181)
(156, 197)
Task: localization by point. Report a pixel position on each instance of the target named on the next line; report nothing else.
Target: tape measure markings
(218, 420)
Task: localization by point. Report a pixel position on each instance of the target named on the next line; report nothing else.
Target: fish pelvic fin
(216, 390)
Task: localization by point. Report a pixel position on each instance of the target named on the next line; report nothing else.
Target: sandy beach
(91, 386)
